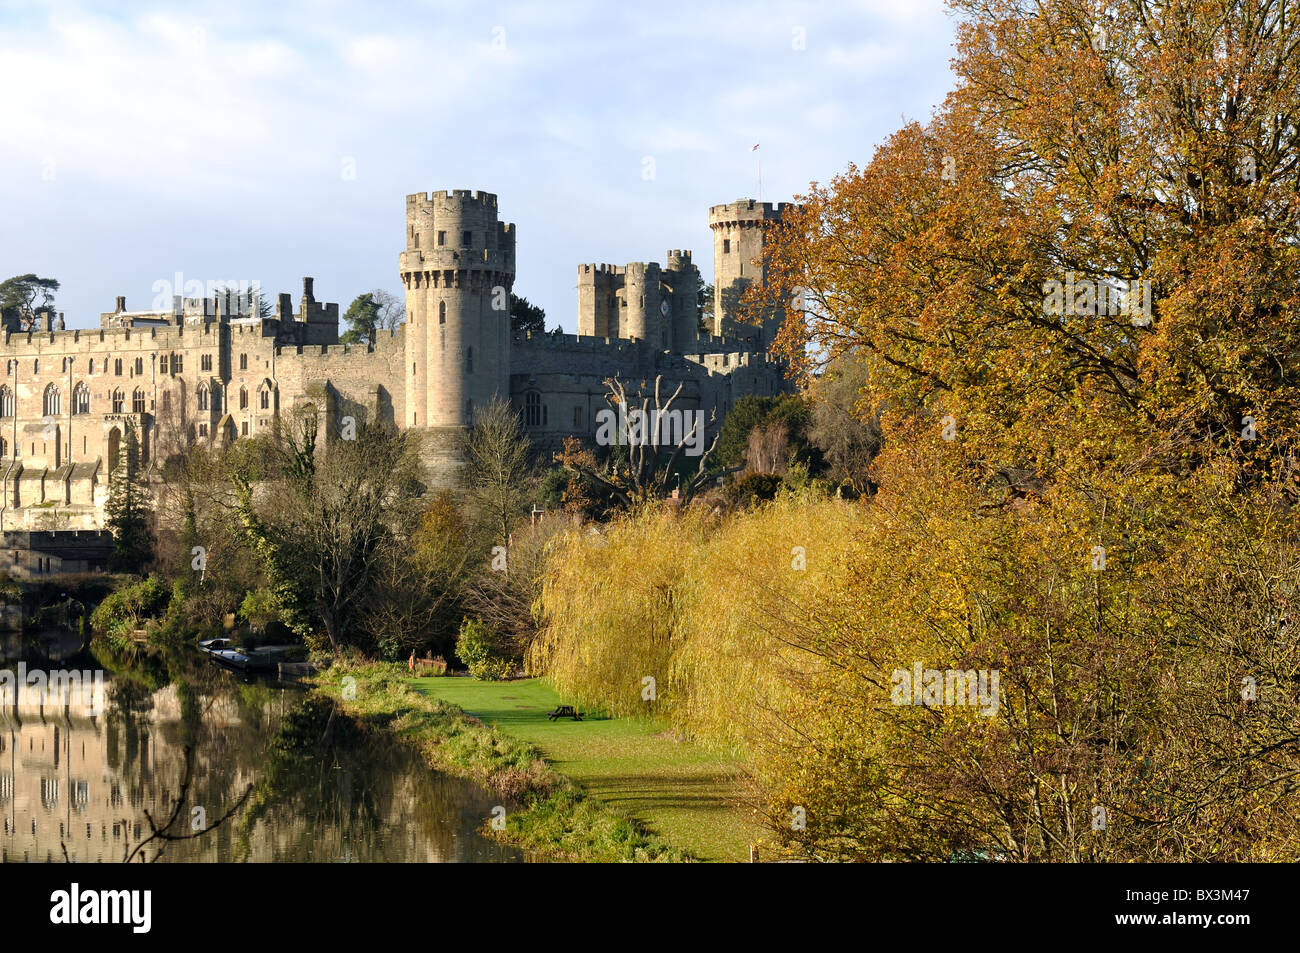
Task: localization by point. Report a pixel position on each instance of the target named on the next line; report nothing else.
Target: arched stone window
(137, 401)
(6, 401)
(81, 399)
(118, 400)
(243, 398)
(203, 397)
(117, 366)
(50, 405)
(266, 400)
(442, 312)
(533, 409)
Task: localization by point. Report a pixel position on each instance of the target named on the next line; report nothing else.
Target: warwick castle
(204, 371)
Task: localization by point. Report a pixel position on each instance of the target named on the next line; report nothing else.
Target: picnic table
(564, 711)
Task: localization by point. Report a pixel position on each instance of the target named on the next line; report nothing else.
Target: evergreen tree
(526, 316)
(127, 510)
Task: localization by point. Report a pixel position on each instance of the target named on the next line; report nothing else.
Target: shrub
(755, 488)
(129, 607)
(476, 646)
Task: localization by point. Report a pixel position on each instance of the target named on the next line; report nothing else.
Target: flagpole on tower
(760, 169)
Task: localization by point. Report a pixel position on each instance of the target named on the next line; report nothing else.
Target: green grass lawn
(682, 791)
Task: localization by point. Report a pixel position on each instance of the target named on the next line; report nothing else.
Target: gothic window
(6, 402)
(137, 401)
(139, 365)
(118, 400)
(442, 238)
(90, 366)
(243, 362)
(243, 398)
(117, 366)
(266, 400)
(178, 363)
(81, 399)
(726, 246)
(442, 312)
(203, 430)
(203, 397)
(205, 362)
(243, 428)
(50, 406)
(533, 409)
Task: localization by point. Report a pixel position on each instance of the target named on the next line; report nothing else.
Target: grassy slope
(681, 791)
(552, 818)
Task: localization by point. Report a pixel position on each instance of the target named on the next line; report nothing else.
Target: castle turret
(458, 270)
(738, 230)
(598, 300)
(684, 320)
(641, 318)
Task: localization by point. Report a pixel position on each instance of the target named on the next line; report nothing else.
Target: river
(76, 779)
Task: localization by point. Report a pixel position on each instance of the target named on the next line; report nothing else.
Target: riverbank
(683, 792)
(547, 814)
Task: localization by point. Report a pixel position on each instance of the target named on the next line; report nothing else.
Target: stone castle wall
(206, 371)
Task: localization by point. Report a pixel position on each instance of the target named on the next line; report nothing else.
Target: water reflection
(323, 788)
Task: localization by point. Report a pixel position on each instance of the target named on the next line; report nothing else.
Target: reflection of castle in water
(82, 784)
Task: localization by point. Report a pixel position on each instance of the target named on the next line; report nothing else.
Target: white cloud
(159, 120)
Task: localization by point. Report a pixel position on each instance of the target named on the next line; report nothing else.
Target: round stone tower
(738, 230)
(458, 269)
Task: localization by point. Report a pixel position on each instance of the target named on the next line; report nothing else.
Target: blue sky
(263, 142)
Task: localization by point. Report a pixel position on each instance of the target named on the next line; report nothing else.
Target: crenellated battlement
(548, 340)
(452, 196)
(385, 340)
(747, 210)
(595, 269)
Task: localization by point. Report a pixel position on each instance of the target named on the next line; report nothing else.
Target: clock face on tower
(663, 307)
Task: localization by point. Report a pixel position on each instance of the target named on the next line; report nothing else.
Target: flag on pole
(756, 145)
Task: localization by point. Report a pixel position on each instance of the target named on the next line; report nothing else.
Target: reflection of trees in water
(175, 825)
(332, 788)
(327, 787)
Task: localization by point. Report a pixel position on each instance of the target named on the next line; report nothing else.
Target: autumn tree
(1084, 151)
(1070, 301)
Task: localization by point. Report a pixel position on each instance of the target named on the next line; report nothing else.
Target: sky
(241, 140)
